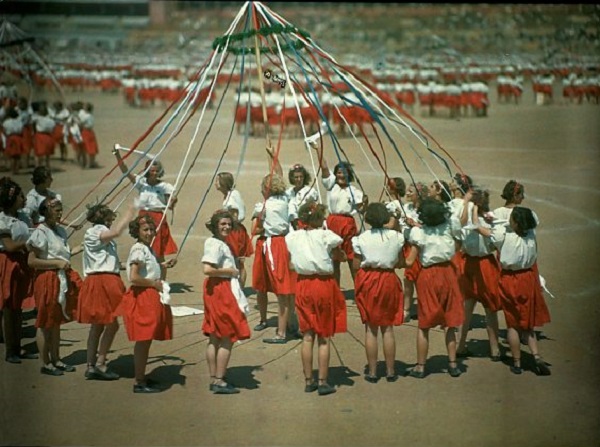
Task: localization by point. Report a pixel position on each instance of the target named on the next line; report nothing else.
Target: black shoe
(392, 378)
(277, 340)
(541, 368)
(516, 369)
(325, 389)
(13, 359)
(29, 356)
(144, 389)
(311, 387)
(454, 371)
(417, 374)
(51, 371)
(98, 374)
(66, 368)
(224, 389)
(371, 379)
(261, 326)
(496, 358)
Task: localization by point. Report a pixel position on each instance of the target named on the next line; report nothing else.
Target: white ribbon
(165, 296)
(62, 292)
(241, 299)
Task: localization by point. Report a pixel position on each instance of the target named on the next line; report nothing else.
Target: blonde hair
(274, 184)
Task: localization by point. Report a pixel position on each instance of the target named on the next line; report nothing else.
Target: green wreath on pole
(220, 42)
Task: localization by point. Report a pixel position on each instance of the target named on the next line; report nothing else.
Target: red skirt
(522, 299)
(239, 241)
(146, 318)
(99, 298)
(45, 292)
(14, 146)
(15, 279)
(273, 275)
(27, 140)
(222, 315)
(411, 273)
(43, 144)
(345, 227)
(90, 143)
(320, 305)
(438, 297)
(59, 134)
(163, 243)
(379, 297)
(480, 281)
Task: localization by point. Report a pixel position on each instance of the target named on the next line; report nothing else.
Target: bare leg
(336, 271)
(243, 272)
(262, 301)
(284, 312)
(422, 348)
(141, 351)
(389, 349)
(514, 341)
(451, 343)
(371, 347)
(43, 342)
(211, 355)
(491, 319)
(93, 341)
(463, 330)
(54, 347)
(110, 330)
(323, 350)
(306, 353)
(223, 356)
(352, 271)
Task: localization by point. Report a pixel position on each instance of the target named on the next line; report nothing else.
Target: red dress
(320, 305)
(163, 243)
(271, 270)
(222, 315)
(522, 299)
(99, 298)
(345, 227)
(146, 318)
(379, 297)
(45, 292)
(438, 296)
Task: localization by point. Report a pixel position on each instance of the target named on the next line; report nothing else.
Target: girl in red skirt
(320, 304)
(271, 271)
(155, 198)
(146, 317)
(520, 289)
(13, 128)
(438, 292)
(103, 288)
(15, 274)
(378, 290)
(238, 239)
(55, 286)
(344, 202)
(224, 302)
(480, 277)
(43, 137)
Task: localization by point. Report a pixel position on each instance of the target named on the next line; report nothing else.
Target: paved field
(554, 150)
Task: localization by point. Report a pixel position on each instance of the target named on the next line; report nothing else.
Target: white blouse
(16, 228)
(436, 244)
(297, 199)
(275, 219)
(33, 201)
(142, 255)
(475, 244)
(379, 247)
(52, 244)
(341, 200)
(153, 197)
(516, 252)
(310, 250)
(218, 254)
(234, 200)
(97, 255)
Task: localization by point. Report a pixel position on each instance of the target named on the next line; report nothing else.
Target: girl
(344, 201)
(103, 288)
(154, 197)
(378, 290)
(300, 192)
(224, 320)
(238, 238)
(42, 180)
(43, 137)
(397, 189)
(320, 304)
(14, 271)
(438, 292)
(13, 128)
(520, 289)
(480, 277)
(513, 194)
(271, 272)
(55, 285)
(146, 317)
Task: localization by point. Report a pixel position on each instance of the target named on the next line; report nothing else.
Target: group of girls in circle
(454, 251)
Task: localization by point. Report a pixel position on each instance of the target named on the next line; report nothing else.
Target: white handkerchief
(165, 296)
(62, 292)
(241, 299)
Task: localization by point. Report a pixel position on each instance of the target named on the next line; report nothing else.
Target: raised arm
(117, 228)
(322, 162)
(123, 166)
(274, 164)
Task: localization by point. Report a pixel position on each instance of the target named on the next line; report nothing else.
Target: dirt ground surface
(554, 150)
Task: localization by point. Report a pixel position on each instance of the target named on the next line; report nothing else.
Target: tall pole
(261, 80)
